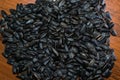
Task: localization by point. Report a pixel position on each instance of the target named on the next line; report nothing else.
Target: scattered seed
(59, 40)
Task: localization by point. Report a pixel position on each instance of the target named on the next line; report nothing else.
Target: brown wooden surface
(112, 5)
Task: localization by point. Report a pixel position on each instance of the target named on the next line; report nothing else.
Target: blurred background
(113, 6)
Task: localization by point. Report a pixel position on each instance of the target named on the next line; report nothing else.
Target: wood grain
(113, 6)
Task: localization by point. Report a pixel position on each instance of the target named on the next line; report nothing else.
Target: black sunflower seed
(4, 14)
(113, 32)
(55, 51)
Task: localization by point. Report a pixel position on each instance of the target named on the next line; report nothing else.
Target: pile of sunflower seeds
(59, 40)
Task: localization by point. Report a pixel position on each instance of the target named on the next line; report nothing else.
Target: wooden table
(112, 5)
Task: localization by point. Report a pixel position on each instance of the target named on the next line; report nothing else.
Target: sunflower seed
(56, 53)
